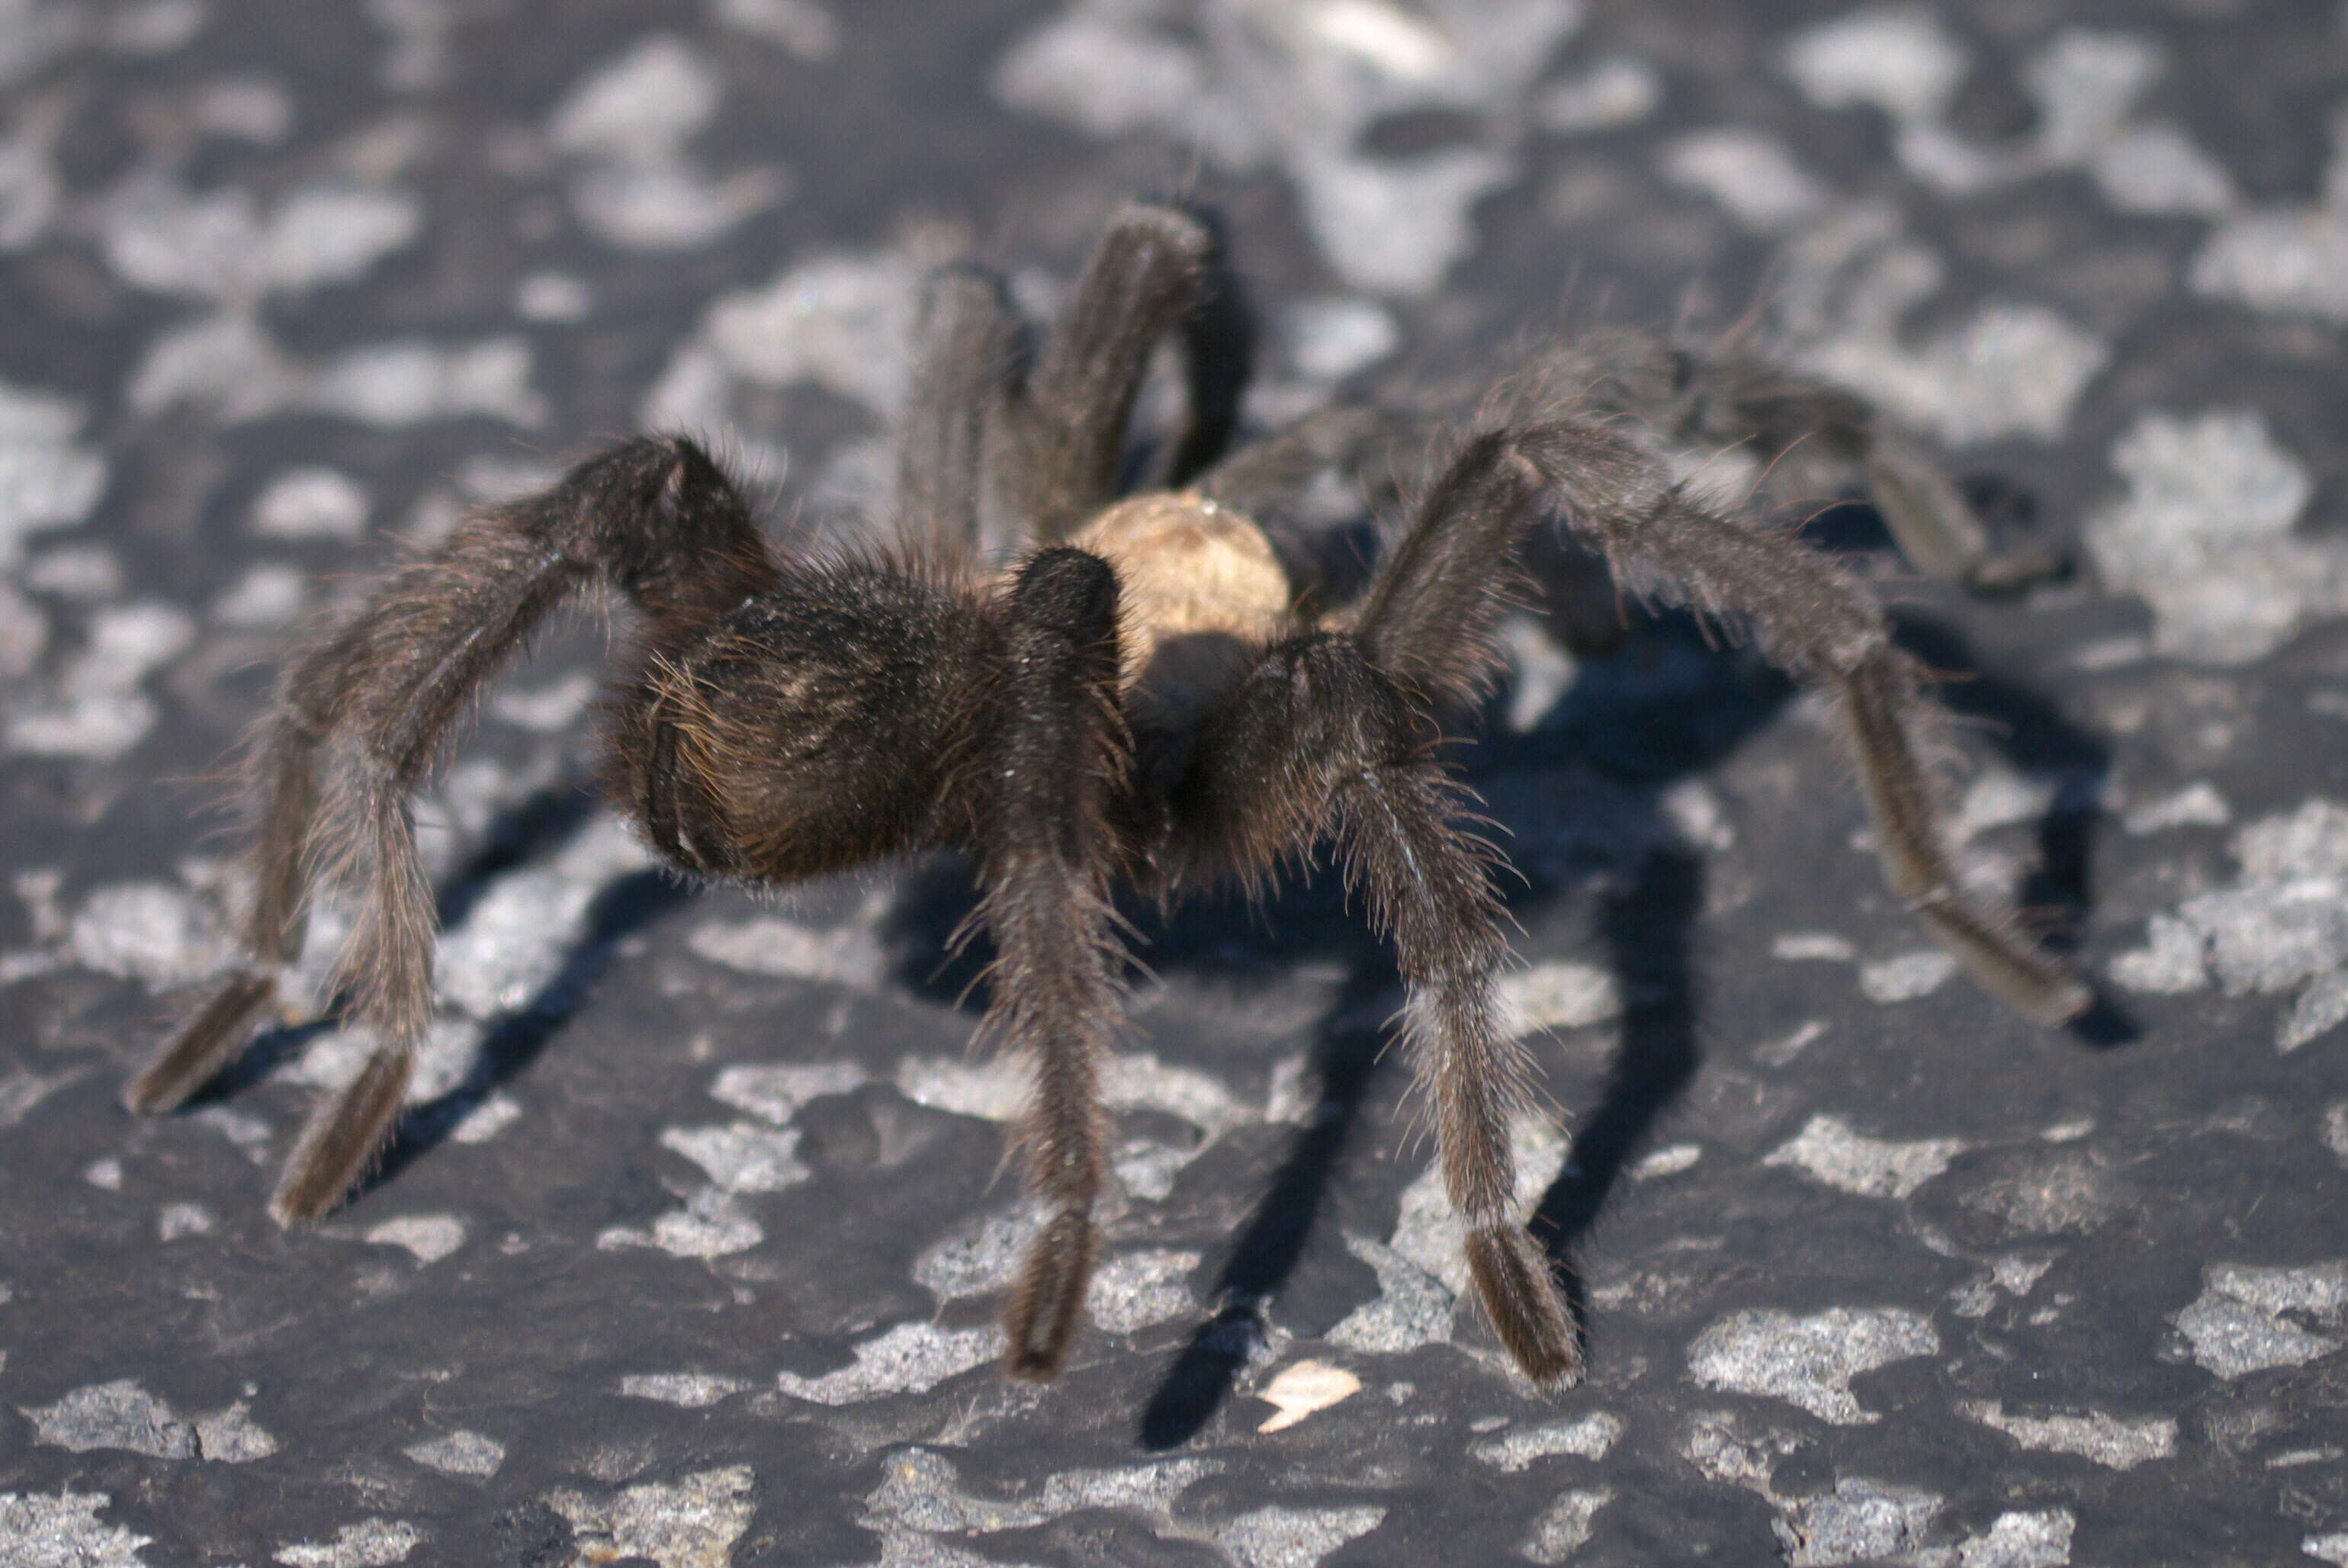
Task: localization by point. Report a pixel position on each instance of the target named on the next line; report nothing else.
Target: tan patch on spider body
(1200, 593)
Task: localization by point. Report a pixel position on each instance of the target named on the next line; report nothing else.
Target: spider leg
(322, 696)
(967, 350)
(1046, 850)
(404, 668)
(1063, 434)
(1810, 620)
(1318, 734)
(1935, 528)
(1736, 398)
(364, 714)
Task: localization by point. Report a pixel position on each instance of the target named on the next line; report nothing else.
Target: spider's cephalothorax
(1140, 693)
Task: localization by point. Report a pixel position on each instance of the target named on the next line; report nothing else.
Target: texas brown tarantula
(1144, 693)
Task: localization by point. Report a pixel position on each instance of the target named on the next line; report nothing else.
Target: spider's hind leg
(1818, 625)
(365, 713)
(1728, 395)
(1783, 413)
(966, 352)
(1061, 438)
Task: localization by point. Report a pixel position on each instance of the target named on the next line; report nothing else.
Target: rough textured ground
(690, 1253)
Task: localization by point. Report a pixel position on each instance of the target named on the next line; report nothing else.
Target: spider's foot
(345, 1135)
(1520, 1291)
(211, 1039)
(2005, 964)
(1043, 1316)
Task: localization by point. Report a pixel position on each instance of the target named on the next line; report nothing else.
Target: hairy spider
(1141, 693)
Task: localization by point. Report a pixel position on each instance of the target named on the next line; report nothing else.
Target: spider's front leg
(362, 716)
(1051, 765)
(1332, 731)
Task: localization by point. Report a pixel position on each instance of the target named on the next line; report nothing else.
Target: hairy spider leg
(1060, 432)
(1046, 850)
(364, 714)
(1728, 397)
(1045, 445)
(966, 346)
(1332, 732)
(1814, 623)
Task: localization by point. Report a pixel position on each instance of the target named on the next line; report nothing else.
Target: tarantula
(1143, 693)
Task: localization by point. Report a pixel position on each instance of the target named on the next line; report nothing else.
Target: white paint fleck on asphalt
(148, 931)
(910, 1358)
(232, 1437)
(1558, 995)
(2206, 535)
(1564, 1526)
(1293, 1537)
(777, 1091)
(1860, 1520)
(710, 1226)
(687, 1390)
(311, 502)
(2291, 259)
(2111, 1440)
(1328, 339)
(65, 1532)
(742, 1158)
(1907, 976)
(1829, 1150)
(772, 945)
(2024, 1538)
(2198, 804)
(458, 1453)
(1808, 1361)
(1618, 91)
(96, 708)
(116, 1414)
(178, 1220)
(1752, 175)
(1413, 1306)
(2282, 926)
(691, 1523)
(375, 1542)
(2248, 1318)
(1131, 1290)
(430, 1237)
(1583, 1436)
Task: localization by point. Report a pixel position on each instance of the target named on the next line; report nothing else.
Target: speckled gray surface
(690, 1252)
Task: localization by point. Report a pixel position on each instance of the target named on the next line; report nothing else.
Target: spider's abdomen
(1201, 593)
(808, 731)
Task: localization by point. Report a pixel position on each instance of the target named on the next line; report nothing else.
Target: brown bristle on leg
(215, 1037)
(1043, 1316)
(1513, 1281)
(346, 1137)
(1518, 1290)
